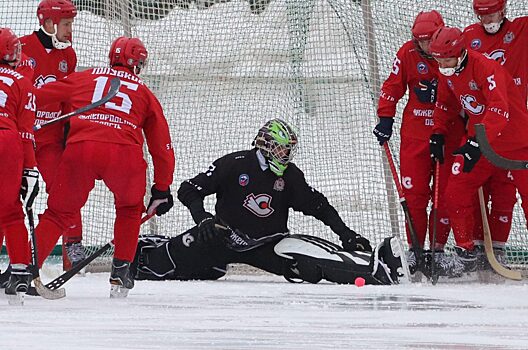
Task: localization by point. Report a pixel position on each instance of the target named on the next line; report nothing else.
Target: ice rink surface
(266, 312)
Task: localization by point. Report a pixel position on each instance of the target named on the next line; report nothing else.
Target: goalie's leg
(312, 259)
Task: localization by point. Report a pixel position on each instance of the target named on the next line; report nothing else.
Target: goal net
(222, 68)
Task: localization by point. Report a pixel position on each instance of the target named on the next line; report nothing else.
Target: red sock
(500, 224)
(16, 236)
(126, 232)
(47, 234)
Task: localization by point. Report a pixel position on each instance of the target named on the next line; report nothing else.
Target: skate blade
(16, 299)
(118, 292)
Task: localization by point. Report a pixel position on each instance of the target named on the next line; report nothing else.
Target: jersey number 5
(491, 81)
(126, 102)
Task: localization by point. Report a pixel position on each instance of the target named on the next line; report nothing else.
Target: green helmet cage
(277, 140)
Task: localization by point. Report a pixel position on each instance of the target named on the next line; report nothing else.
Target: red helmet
(55, 10)
(447, 42)
(10, 48)
(128, 52)
(487, 7)
(425, 24)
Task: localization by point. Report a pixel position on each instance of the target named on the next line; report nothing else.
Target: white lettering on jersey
(260, 205)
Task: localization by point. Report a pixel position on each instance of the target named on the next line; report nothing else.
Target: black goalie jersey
(254, 200)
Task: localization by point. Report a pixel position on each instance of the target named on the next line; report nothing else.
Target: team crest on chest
(476, 44)
(470, 103)
(63, 66)
(44, 80)
(243, 180)
(497, 55)
(473, 85)
(508, 37)
(279, 184)
(260, 204)
(422, 68)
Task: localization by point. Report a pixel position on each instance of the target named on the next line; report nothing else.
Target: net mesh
(222, 68)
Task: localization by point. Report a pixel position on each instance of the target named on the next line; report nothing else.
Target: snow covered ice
(266, 312)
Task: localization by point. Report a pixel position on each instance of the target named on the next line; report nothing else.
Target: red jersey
(48, 65)
(17, 110)
(488, 94)
(408, 69)
(122, 120)
(509, 46)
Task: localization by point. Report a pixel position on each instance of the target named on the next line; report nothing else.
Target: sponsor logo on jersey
(260, 204)
(497, 55)
(469, 103)
(473, 85)
(504, 219)
(187, 239)
(455, 168)
(450, 84)
(407, 182)
(422, 68)
(508, 37)
(32, 63)
(44, 80)
(476, 44)
(243, 179)
(63, 66)
(279, 184)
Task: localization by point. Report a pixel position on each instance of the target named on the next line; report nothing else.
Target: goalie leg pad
(314, 259)
(176, 258)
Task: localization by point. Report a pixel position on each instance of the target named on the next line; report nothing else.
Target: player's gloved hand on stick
(471, 153)
(436, 147)
(351, 241)
(383, 130)
(160, 201)
(30, 186)
(426, 91)
(206, 228)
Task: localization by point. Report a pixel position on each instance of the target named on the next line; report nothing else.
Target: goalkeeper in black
(254, 191)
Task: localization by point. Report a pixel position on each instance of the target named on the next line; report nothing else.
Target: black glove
(161, 201)
(436, 147)
(426, 91)
(30, 186)
(383, 130)
(206, 228)
(471, 153)
(351, 241)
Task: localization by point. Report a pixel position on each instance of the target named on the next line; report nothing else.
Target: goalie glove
(351, 241)
(29, 187)
(160, 202)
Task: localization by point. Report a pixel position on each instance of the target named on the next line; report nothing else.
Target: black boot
(18, 284)
(468, 258)
(121, 280)
(4, 277)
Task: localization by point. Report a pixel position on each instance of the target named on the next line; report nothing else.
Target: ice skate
(392, 254)
(18, 284)
(120, 279)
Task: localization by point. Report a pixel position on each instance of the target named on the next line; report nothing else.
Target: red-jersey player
(416, 70)
(488, 95)
(504, 41)
(51, 57)
(18, 171)
(106, 143)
